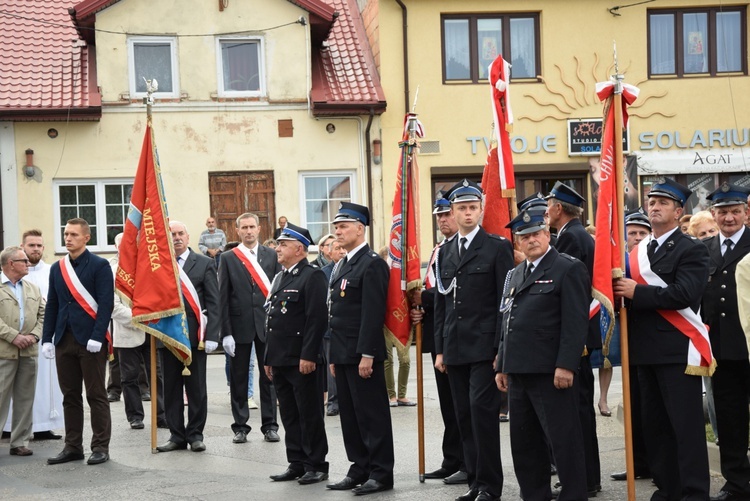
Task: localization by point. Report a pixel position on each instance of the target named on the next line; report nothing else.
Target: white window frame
(327, 173)
(101, 210)
(221, 91)
(172, 41)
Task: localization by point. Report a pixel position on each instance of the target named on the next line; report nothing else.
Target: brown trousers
(75, 367)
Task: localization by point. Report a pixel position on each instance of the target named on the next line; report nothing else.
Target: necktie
(728, 245)
(179, 261)
(462, 247)
(528, 271)
(653, 244)
(339, 267)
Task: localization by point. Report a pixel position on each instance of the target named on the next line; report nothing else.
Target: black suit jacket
(466, 329)
(682, 262)
(242, 312)
(357, 313)
(201, 271)
(546, 326)
(297, 316)
(719, 307)
(575, 241)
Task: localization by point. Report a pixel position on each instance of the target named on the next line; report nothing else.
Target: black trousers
(453, 454)
(476, 401)
(731, 383)
(333, 402)
(366, 423)
(301, 408)
(673, 407)
(195, 388)
(114, 384)
(544, 415)
(239, 368)
(132, 361)
(640, 457)
(587, 415)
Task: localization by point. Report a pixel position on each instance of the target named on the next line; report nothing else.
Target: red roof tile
(345, 78)
(46, 71)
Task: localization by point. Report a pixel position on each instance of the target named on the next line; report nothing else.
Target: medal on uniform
(343, 286)
(283, 307)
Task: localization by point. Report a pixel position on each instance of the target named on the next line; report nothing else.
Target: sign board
(585, 137)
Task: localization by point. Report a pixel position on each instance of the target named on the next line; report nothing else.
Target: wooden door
(234, 193)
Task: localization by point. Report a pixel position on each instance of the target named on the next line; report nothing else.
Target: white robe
(48, 411)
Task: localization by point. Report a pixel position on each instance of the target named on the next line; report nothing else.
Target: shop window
(472, 42)
(240, 66)
(153, 58)
(708, 41)
(103, 204)
(321, 195)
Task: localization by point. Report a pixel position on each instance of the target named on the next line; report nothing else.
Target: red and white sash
(700, 361)
(256, 272)
(188, 290)
(82, 296)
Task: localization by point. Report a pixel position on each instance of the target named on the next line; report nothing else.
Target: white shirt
(734, 238)
(251, 254)
(664, 237)
(39, 276)
(469, 237)
(182, 258)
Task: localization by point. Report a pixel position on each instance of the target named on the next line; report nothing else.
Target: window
(153, 58)
(104, 204)
(697, 41)
(240, 67)
(472, 42)
(321, 195)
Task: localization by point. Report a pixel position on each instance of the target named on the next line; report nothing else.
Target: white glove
(48, 350)
(210, 346)
(94, 346)
(228, 343)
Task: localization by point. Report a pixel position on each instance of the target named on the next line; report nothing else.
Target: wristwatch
(35, 337)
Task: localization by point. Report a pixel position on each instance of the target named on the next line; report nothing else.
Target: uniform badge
(465, 183)
(661, 180)
(295, 271)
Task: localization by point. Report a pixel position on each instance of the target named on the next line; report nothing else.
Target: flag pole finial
(416, 96)
(617, 77)
(151, 87)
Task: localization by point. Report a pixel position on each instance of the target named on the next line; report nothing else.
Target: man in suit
(452, 470)
(296, 322)
(21, 319)
(75, 332)
(669, 277)
(245, 275)
(357, 302)
(201, 271)
(282, 225)
(565, 207)
(731, 381)
(545, 306)
(470, 274)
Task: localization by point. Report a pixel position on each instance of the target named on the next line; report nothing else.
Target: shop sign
(585, 137)
(695, 161)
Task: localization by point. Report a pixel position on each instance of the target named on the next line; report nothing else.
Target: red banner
(503, 115)
(496, 208)
(403, 242)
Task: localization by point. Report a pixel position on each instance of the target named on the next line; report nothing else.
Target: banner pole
(420, 402)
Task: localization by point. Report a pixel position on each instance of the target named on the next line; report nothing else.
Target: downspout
(368, 168)
(406, 54)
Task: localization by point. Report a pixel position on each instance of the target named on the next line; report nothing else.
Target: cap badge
(465, 183)
(662, 180)
(526, 217)
(725, 187)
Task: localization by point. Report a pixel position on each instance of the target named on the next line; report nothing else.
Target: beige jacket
(10, 318)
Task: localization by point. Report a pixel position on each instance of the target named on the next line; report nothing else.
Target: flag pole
(625, 355)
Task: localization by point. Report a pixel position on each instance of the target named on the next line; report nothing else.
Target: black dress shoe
(65, 457)
(146, 397)
(197, 446)
(171, 446)
(271, 436)
(624, 476)
(113, 397)
(98, 458)
(370, 487)
(458, 478)
(240, 437)
(470, 495)
(332, 412)
(162, 424)
(46, 435)
(439, 473)
(289, 474)
(6, 434)
(313, 477)
(347, 484)
(730, 496)
(137, 424)
(485, 496)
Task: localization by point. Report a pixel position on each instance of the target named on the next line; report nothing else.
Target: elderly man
(21, 320)
(212, 239)
(79, 308)
(282, 225)
(731, 381)
(295, 325)
(670, 271)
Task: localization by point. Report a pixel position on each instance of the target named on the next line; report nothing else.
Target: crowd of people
(508, 324)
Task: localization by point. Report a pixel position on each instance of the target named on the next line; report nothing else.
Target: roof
(344, 75)
(48, 72)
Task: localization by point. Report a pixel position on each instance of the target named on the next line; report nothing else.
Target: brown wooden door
(234, 193)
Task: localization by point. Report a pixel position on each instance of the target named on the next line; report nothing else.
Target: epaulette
(496, 237)
(569, 256)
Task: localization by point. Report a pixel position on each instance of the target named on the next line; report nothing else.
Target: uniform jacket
(682, 262)
(242, 312)
(545, 328)
(63, 311)
(467, 320)
(575, 241)
(719, 306)
(10, 318)
(297, 316)
(357, 308)
(201, 271)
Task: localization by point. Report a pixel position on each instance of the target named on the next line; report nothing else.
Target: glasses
(21, 261)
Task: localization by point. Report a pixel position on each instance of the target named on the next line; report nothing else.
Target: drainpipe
(368, 168)
(404, 31)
